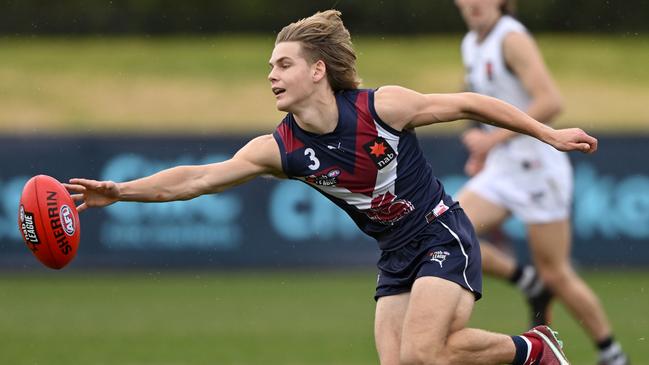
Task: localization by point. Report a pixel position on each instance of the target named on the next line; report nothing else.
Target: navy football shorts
(447, 248)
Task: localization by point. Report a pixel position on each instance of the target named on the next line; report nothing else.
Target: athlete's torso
(487, 73)
(377, 174)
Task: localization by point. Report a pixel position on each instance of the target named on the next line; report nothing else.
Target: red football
(49, 221)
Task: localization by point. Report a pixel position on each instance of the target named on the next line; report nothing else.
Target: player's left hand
(93, 193)
(573, 139)
(479, 142)
(474, 164)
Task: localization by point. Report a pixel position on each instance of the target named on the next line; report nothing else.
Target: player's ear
(319, 70)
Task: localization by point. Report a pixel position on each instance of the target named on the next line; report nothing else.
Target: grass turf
(319, 317)
(218, 84)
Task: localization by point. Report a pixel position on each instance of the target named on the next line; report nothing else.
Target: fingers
(81, 185)
(82, 207)
(581, 147)
(589, 146)
(89, 184)
(77, 197)
(575, 139)
(593, 145)
(84, 182)
(589, 143)
(74, 188)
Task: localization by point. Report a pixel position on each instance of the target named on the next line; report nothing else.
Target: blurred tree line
(23, 17)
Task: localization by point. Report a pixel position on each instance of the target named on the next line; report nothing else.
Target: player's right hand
(573, 139)
(479, 142)
(474, 164)
(93, 193)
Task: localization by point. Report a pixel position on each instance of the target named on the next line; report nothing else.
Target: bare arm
(403, 108)
(259, 157)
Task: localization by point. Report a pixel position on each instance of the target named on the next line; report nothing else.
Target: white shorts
(535, 188)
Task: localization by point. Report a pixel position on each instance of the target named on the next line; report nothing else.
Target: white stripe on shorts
(466, 257)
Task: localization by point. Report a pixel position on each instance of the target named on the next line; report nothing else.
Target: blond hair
(323, 36)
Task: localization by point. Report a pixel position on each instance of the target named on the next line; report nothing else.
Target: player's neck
(318, 114)
(483, 32)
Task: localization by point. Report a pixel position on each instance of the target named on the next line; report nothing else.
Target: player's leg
(443, 276)
(434, 333)
(550, 246)
(449, 317)
(449, 279)
(485, 216)
(388, 324)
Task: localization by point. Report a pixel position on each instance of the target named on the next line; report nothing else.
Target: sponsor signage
(284, 223)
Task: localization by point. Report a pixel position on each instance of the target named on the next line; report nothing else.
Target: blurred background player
(515, 174)
(357, 147)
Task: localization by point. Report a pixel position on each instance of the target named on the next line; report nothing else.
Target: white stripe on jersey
(385, 178)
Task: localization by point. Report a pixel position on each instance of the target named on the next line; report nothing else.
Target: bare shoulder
(264, 141)
(519, 46)
(387, 94)
(395, 105)
(264, 152)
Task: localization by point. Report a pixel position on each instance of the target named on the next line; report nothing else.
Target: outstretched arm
(259, 157)
(405, 108)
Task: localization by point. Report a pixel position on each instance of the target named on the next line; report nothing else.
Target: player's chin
(282, 105)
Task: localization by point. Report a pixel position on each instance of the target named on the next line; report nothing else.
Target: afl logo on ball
(67, 220)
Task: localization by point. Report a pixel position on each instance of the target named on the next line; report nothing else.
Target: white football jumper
(523, 174)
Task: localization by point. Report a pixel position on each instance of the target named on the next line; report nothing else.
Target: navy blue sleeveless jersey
(377, 174)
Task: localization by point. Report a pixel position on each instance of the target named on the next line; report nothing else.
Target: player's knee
(410, 356)
(555, 275)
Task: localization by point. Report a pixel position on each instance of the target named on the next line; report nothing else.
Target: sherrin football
(48, 221)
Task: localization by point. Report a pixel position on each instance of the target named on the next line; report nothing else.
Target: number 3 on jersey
(315, 162)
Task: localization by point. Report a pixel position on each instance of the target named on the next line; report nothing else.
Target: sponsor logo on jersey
(439, 256)
(387, 209)
(329, 178)
(28, 228)
(336, 147)
(380, 152)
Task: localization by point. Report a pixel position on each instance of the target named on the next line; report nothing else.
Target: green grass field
(218, 84)
(287, 318)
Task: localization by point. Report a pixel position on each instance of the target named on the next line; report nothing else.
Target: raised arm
(259, 157)
(404, 108)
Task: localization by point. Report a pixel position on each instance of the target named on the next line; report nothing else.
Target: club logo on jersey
(380, 152)
(439, 256)
(329, 178)
(489, 68)
(387, 209)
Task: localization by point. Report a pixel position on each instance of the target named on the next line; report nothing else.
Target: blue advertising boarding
(274, 223)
